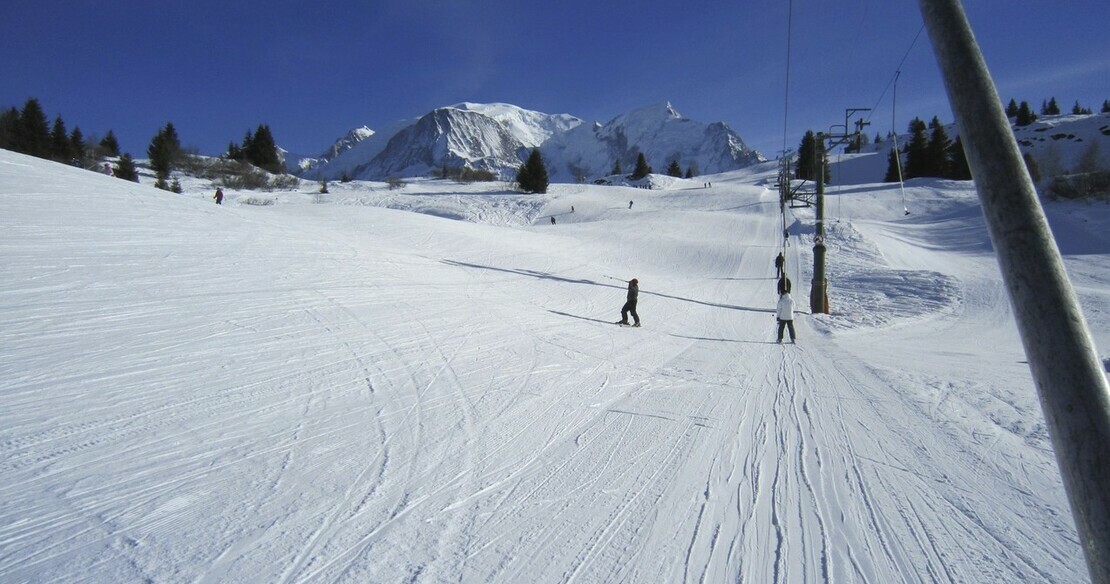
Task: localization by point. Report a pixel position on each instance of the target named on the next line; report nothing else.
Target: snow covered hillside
(1059, 144)
(425, 385)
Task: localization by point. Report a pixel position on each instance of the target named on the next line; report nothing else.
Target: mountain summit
(498, 137)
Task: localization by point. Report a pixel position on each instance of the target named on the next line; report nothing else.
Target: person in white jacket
(786, 315)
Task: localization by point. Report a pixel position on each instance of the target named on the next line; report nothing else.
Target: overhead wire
(786, 117)
(786, 93)
(893, 115)
(897, 152)
(785, 125)
(784, 159)
(897, 72)
(784, 174)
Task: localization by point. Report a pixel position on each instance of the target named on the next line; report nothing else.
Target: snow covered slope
(332, 389)
(1059, 144)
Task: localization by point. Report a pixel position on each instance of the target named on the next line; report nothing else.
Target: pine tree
(60, 150)
(77, 145)
(1105, 107)
(258, 148)
(810, 152)
(642, 168)
(1079, 110)
(125, 169)
(937, 158)
(1012, 109)
(9, 123)
(1051, 109)
(893, 164)
(262, 150)
(109, 146)
(807, 150)
(164, 152)
(532, 175)
(32, 132)
(237, 152)
(1025, 115)
(617, 170)
(674, 169)
(958, 168)
(917, 151)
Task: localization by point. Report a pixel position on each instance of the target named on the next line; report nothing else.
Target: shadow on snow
(549, 276)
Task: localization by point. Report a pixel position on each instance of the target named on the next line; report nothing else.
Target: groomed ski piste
(426, 385)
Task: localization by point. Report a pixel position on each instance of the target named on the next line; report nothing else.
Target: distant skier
(630, 304)
(552, 219)
(785, 314)
(780, 265)
(630, 204)
(784, 285)
(107, 169)
(219, 196)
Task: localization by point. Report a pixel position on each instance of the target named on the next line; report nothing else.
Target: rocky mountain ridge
(498, 137)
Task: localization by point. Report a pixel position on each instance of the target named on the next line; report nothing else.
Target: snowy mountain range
(498, 137)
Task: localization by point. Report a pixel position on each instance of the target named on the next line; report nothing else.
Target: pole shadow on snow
(744, 206)
(724, 340)
(549, 276)
(586, 318)
(531, 273)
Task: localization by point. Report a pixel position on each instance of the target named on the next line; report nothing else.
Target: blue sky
(313, 70)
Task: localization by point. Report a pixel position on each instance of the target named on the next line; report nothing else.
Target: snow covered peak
(498, 136)
(347, 142)
(531, 128)
(653, 114)
(664, 135)
(450, 136)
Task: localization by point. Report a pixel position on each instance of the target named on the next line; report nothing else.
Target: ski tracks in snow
(322, 404)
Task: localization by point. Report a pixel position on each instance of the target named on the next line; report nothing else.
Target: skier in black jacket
(630, 305)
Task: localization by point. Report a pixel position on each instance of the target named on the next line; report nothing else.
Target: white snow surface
(425, 385)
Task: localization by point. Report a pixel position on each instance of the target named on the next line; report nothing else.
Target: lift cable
(897, 72)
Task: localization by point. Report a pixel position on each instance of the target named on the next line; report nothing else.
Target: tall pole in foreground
(1071, 384)
(818, 291)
